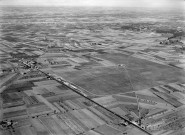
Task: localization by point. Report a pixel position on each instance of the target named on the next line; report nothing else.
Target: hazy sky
(124, 3)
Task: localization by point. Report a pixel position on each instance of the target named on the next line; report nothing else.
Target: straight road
(77, 90)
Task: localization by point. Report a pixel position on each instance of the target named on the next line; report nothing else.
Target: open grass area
(100, 81)
(112, 80)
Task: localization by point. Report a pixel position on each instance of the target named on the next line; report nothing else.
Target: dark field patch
(20, 87)
(11, 39)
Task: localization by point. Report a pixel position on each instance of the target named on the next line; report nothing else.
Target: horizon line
(81, 6)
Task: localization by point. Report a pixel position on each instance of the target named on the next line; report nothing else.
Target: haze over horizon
(106, 3)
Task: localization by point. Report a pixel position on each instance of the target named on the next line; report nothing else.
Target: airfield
(96, 71)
